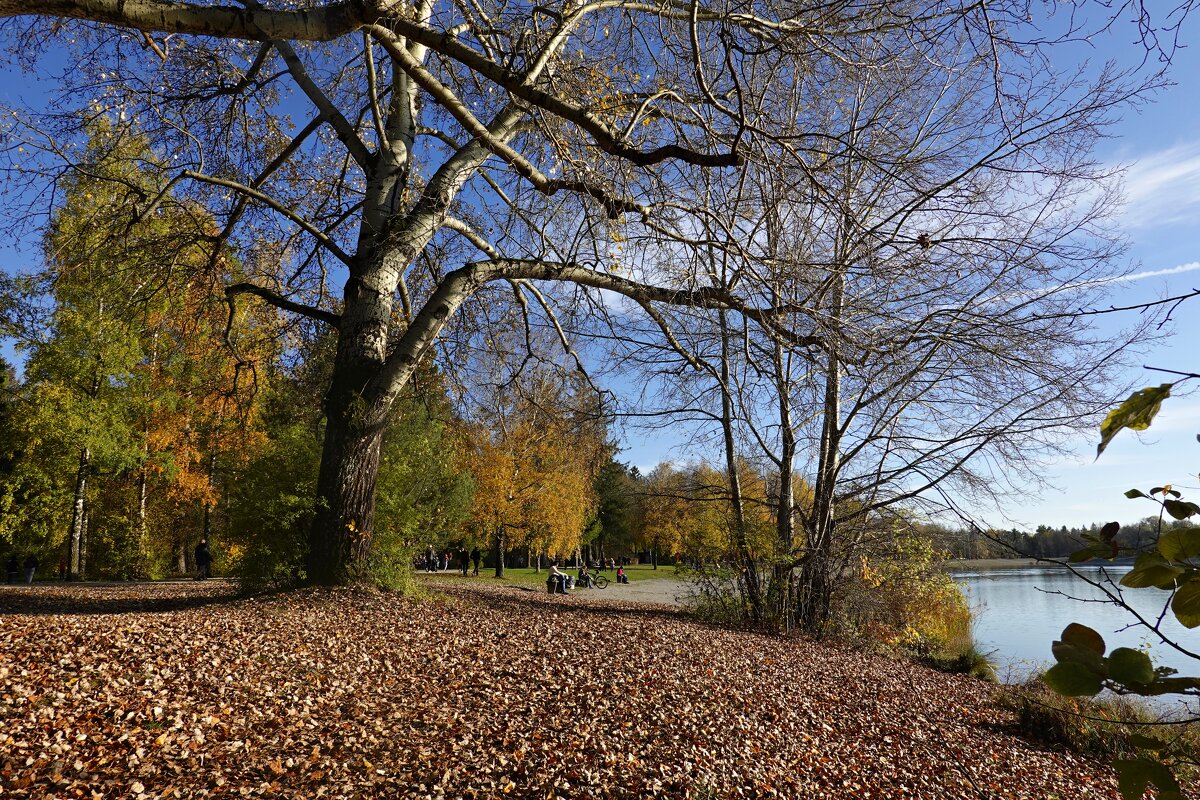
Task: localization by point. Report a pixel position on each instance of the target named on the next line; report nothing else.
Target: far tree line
(1046, 541)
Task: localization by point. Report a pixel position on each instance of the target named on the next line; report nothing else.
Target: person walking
(203, 560)
(31, 565)
(430, 559)
(475, 558)
(13, 568)
(464, 560)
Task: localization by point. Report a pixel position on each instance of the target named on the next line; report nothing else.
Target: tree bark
(498, 551)
(815, 584)
(785, 501)
(340, 541)
(75, 537)
(83, 542)
(749, 567)
(143, 536)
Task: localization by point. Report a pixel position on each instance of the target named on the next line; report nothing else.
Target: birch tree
(937, 242)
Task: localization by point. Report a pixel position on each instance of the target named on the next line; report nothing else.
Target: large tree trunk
(355, 417)
(340, 542)
(75, 537)
(814, 587)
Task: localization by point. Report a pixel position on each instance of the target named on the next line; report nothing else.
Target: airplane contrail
(1191, 266)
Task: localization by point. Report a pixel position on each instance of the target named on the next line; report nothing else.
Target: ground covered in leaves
(183, 690)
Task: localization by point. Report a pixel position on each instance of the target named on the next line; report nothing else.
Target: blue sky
(1160, 145)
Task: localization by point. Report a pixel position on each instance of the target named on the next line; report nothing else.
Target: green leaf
(1151, 569)
(1064, 653)
(1180, 544)
(1080, 556)
(1084, 637)
(1072, 679)
(1180, 509)
(1132, 493)
(1109, 531)
(1133, 775)
(1135, 413)
(1127, 666)
(1186, 604)
(1143, 742)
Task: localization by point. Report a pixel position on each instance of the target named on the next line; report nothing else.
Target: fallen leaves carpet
(185, 690)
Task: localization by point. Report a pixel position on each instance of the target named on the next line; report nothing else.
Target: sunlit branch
(281, 302)
(315, 232)
(341, 126)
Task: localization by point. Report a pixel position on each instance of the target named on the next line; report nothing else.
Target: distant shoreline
(958, 564)
(991, 563)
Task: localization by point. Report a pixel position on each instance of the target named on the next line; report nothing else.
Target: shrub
(271, 507)
(1095, 727)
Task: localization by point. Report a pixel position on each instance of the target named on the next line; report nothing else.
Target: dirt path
(661, 591)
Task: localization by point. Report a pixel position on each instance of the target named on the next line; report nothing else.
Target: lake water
(1019, 611)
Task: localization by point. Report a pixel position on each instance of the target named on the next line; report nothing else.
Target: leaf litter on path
(186, 690)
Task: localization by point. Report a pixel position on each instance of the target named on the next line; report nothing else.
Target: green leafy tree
(615, 500)
(131, 391)
(424, 490)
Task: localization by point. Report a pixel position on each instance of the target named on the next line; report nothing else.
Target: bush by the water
(1109, 727)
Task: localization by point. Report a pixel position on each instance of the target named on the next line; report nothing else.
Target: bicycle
(598, 581)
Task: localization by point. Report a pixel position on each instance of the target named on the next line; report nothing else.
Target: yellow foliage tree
(534, 458)
(666, 511)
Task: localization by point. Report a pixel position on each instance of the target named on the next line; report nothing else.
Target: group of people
(432, 561)
(14, 566)
(560, 582)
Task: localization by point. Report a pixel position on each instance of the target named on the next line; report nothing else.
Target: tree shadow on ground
(117, 598)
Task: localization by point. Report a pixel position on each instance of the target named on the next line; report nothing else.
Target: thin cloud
(1191, 266)
(1021, 296)
(1163, 188)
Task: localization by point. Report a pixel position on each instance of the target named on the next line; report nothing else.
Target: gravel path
(662, 591)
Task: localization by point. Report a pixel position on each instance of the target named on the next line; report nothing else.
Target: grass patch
(525, 576)
(960, 659)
